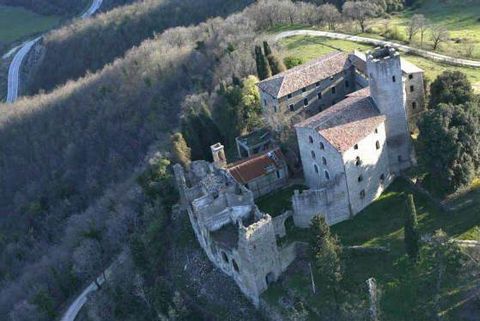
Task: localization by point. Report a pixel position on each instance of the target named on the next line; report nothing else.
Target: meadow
(17, 23)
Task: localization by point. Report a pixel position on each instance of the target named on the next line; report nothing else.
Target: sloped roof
(301, 76)
(257, 165)
(346, 123)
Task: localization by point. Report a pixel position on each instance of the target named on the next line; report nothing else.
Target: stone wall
(387, 90)
(415, 100)
(265, 184)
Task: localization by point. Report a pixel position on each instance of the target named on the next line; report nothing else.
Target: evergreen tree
(451, 87)
(276, 64)
(326, 251)
(412, 236)
(263, 68)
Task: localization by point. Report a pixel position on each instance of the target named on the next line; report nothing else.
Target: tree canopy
(451, 87)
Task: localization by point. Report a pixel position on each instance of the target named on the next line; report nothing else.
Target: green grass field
(308, 47)
(381, 224)
(17, 23)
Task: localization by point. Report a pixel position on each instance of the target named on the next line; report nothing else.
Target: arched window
(377, 144)
(315, 167)
(327, 175)
(322, 146)
(313, 154)
(324, 161)
(310, 139)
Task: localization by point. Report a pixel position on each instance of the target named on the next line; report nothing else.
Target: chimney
(218, 154)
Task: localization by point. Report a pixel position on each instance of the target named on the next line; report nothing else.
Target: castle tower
(218, 154)
(387, 90)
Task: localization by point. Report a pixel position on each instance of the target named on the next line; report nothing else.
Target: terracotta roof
(257, 165)
(301, 76)
(346, 123)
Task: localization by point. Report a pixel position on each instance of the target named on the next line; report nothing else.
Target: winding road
(376, 42)
(16, 64)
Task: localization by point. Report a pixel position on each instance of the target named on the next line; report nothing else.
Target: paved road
(80, 301)
(16, 64)
(424, 53)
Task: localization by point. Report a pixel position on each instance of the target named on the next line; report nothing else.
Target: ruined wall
(266, 184)
(235, 235)
(279, 223)
(415, 100)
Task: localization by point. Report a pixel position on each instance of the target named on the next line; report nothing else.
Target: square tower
(386, 87)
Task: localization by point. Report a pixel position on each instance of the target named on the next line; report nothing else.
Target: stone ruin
(236, 236)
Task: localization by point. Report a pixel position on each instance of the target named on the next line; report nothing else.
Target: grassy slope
(308, 48)
(16, 23)
(381, 224)
(460, 17)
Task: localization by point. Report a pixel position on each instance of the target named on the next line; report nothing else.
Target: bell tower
(387, 90)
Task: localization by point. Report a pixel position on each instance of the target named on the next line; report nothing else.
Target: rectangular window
(410, 76)
(317, 84)
(347, 83)
(304, 89)
(289, 96)
(412, 89)
(274, 108)
(265, 102)
(278, 174)
(319, 95)
(334, 90)
(394, 79)
(414, 105)
(305, 102)
(292, 108)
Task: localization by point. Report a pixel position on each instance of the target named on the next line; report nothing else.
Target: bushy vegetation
(68, 157)
(88, 45)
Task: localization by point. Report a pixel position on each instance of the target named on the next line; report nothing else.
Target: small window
(382, 178)
(265, 102)
(317, 84)
(377, 145)
(322, 146)
(334, 90)
(327, 175)
(399, 158)
(224, 257)
(358, 161)
(362, 194)
(304, 89)
(315, 167)
(394, 79)
(331, 77)
(360, 178)
(289, 96)
(347, 83)
(324, 161)
(310, 139)
(414, 105)
(278, 175)
(376, 130)
(412, 89)
(355, 146)
(274, 108)
(410, 76)
(292, 108)
(305, 102)
(313, 154)
(319, 95)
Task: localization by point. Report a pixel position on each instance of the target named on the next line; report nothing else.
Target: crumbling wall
(279, 223)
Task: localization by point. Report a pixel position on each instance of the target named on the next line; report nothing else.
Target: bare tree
(359, 11)
(439, 34)
(330, 15)
(416, 23)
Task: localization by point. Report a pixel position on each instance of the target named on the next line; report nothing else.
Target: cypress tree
(267, 49)
(276, 64)
(263, 69)
(412, 236)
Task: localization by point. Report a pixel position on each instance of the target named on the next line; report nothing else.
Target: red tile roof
(346, 123)
(304, 75)
(256, 166)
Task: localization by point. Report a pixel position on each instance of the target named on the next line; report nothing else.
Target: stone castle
(352, 114)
